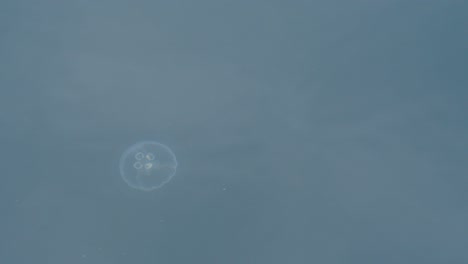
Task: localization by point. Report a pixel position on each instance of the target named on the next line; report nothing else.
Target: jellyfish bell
(147, 165)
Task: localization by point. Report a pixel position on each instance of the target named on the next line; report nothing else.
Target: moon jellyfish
(147, 165)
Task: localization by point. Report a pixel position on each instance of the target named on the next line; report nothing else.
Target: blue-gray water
(325, 131)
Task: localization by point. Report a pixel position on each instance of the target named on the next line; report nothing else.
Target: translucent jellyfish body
(147, 165)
